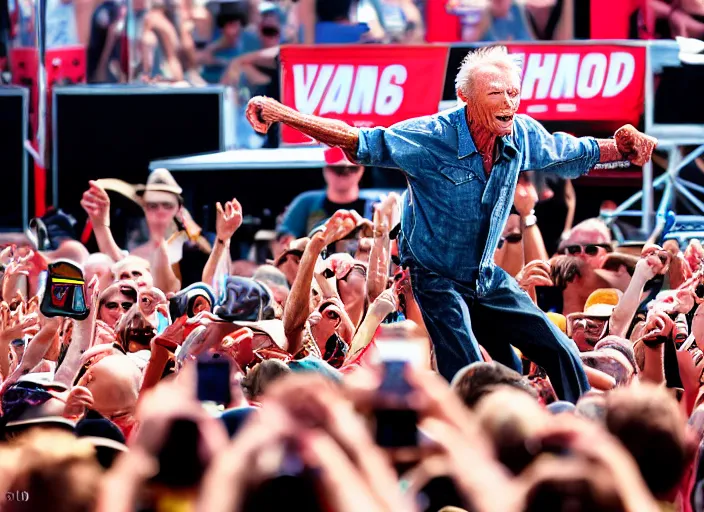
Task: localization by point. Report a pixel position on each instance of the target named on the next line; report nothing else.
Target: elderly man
(462, 166)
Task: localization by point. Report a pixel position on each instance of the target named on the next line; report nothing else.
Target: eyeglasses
(344, 170)
(270, 31)
(513, 238)
(588, 249)
(114, 305)
(166, 205)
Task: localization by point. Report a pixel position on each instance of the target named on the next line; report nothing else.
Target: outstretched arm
(402, 146)
(262, 112)
(571, 157)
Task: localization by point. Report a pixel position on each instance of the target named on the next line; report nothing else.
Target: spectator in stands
(328, 21)
(310, 209)
(232, 40)
(589, 240)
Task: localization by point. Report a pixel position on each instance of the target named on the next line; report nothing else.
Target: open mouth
(504, 119)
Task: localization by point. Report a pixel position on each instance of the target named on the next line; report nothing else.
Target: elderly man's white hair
(497, 55)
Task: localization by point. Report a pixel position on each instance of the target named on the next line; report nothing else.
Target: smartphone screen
(396, 421)
(214, 379)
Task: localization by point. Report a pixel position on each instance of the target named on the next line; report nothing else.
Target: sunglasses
(269, 31)
(344, 171)
(513, 238)
(114, 305)
(588, 249)
(166, 205)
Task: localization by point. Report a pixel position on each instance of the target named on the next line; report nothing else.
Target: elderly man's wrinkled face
(495, 96)
(590, 245)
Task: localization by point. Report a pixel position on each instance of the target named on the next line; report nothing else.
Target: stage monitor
(115, 131)
(14, 104)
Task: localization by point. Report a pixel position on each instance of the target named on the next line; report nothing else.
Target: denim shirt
(453, 214)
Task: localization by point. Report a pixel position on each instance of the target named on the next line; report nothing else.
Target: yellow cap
(602, 302)
(559, 320)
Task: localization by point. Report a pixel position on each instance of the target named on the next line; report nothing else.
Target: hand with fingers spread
(96, 203)
(228, 219)
(17, 271)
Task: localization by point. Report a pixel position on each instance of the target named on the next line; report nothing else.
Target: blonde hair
(494, 55)
(53, 469)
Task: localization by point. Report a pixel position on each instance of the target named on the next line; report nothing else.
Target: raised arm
(96, 203)
(401, 146)
(262, 112)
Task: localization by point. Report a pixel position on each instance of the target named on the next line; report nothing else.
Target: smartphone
(64, 292)
(214, 373)
(549, 298)
(396, 421)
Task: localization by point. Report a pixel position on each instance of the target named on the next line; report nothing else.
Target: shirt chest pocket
(460, 193)
(458, 176)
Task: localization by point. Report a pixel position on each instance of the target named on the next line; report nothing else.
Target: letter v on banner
(363, 85)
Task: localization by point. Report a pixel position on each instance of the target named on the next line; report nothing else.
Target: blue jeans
(458, 320)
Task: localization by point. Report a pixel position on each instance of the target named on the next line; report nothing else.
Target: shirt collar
(466, 145)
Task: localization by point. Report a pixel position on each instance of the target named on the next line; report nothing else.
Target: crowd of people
(125, 407)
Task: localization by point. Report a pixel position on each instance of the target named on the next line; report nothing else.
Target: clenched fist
(262, 112)
(635, 146)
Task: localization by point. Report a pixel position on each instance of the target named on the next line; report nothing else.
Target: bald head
(114, 382)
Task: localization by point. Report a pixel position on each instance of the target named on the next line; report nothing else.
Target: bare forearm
(533, 245)
(608, 152)
(365, 333)
(570, 196)
(164, 277)
(328, 131)
(81, 341)
(378, 274)
(298, 303)
(626, 308)
(106, 242)
(654, 367)
(219, 249)
(155, 369)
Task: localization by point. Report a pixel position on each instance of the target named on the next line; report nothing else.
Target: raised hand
(657, 259)
(341, 224)
(525, 197)
(96, 203)
(228, 220)
(635, 146)
(262, 113)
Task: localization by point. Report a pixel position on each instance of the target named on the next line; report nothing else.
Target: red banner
(582, 82)
(362, 85)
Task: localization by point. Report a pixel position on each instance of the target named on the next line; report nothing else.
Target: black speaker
(14, 121)
(115, 131)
